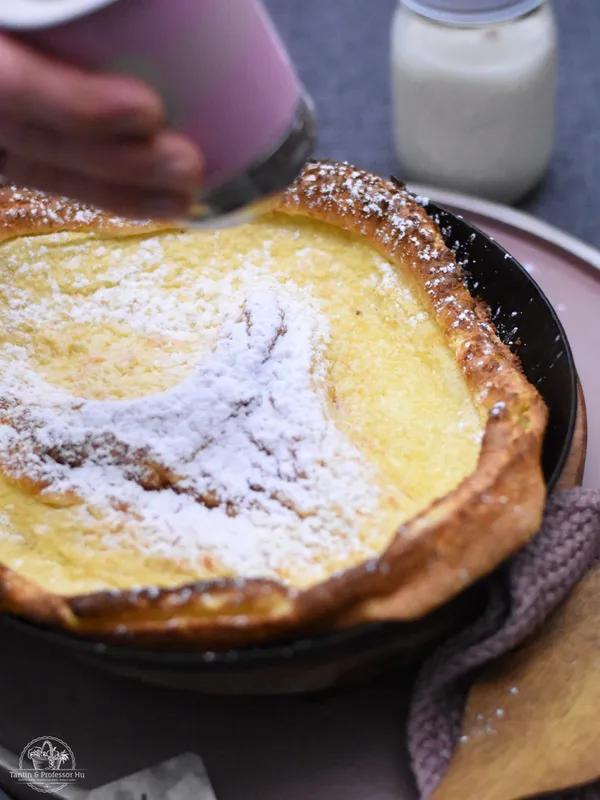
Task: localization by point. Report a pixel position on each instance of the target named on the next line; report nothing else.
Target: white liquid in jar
(474, 106)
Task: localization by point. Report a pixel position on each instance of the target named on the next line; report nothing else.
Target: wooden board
(531, 722)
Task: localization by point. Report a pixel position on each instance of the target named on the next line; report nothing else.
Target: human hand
(94, 137)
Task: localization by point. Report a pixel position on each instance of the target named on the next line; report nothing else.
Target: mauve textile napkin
(521, 595)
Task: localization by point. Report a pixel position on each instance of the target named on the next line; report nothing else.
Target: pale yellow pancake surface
(121, 318)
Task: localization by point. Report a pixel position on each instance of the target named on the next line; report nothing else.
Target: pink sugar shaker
(221, 69)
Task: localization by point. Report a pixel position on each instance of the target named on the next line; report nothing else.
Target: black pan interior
(528, 324)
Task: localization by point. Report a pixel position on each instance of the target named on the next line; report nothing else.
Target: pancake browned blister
(214, 438)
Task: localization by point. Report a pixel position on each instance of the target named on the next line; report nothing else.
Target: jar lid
(472, 12)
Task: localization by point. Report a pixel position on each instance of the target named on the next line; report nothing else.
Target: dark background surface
(341, 49)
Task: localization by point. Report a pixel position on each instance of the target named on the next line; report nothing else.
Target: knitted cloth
(521, 595)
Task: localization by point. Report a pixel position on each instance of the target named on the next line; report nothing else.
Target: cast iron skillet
(526, 321)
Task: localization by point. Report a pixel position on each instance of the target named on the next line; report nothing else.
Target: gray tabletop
(342, 745)
(341, 48)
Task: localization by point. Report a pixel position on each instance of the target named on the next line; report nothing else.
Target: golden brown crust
(433, 556)
(27, 211)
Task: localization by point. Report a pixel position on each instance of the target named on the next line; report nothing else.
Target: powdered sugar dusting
(239, 463)
(238, 466)
(363, 197)
(39, 210)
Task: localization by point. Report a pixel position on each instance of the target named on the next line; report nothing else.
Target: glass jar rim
(472, 12)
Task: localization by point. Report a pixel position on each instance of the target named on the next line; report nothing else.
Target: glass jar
(473, 86)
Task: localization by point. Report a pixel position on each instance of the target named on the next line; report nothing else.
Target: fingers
(63, 98)
(167, 161)
(125, 200)
(96, 138)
